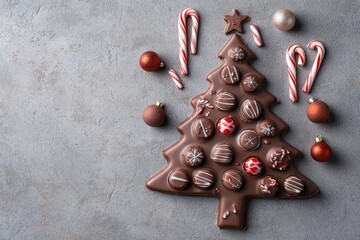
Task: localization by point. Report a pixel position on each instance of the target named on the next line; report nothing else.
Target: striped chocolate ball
(293, 185)
(230, 75)
(222, 153)
(250, 110)
(179, 179)
(204, 178)
(232, 180)
(225, 101)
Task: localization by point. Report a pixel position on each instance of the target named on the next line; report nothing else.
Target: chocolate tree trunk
(232, 212)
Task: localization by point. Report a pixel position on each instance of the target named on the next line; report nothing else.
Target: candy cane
(182, 36)
(256, 35)
(291, 68)
(316, 66)
(176, 79)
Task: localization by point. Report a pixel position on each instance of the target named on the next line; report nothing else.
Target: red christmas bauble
(150, 61)
(320, 151)
(317, 111)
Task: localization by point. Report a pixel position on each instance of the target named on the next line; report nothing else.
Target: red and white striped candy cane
(316, 66)
(291, 68)
(176, 79)
(182, 36)
(256, 35)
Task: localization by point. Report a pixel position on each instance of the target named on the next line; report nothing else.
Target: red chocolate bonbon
(226, 125)
(225, 155)
(253, 166)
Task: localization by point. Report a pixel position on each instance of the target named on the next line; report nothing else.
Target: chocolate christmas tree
(231, 146)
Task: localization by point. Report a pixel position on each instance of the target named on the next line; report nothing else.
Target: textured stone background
(75, 153)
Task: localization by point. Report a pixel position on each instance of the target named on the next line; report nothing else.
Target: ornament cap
(312, 99)
(318, 138)
(159, 104)
(162, 64)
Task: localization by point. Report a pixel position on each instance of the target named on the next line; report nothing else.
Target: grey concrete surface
(75, 153)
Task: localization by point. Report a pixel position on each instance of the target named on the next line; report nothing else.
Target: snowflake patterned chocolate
(193, 156)
(249, 140)
(266, 128)
(237, 54)
(250, 83)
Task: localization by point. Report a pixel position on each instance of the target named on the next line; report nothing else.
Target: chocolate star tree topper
(231, 146)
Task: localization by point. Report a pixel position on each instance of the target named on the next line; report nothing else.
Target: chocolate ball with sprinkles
(222, 153)
(204, 178)
(193, 156)
(268, 186)
(279, 158)
(230, 74)
(225, 101)
(179, 179)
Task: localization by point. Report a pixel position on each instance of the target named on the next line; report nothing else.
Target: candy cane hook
(314, 44)
(183, 36)
(291, 68)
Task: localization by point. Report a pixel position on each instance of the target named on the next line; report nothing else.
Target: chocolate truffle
(226, 125)
(293, 185)
(249, 140)
(154, 115)
(268, 186)
(222, 153)
(266, 128)
(250, 83)
(250, 110)
(225, 101)
(204, 178)
(179, 179)
(237, 54)
(193, 156)
(203, 128)
(253, 166)
(230, 75)
(279, 158)
(232, 180)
